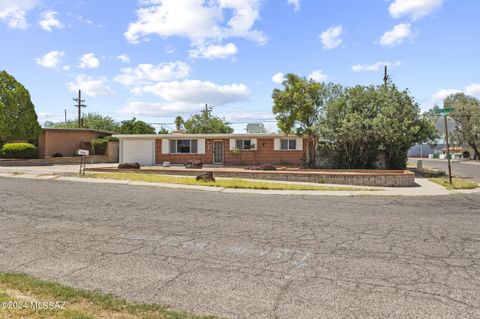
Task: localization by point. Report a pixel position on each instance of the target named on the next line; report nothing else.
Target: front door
(218, 152)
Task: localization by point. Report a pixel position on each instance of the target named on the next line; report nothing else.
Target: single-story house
(65, 141)
(213, 149)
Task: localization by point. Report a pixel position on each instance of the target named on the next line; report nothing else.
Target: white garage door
(138, 151)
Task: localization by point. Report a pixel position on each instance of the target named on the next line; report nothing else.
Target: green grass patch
(220, 182)
(457, 183)
(78, 303)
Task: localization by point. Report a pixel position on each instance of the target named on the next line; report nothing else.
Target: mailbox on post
(83, 154)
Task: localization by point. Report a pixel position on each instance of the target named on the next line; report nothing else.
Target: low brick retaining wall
(343, 177)
(92, 159)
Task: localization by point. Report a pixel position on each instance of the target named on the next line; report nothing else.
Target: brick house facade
(213, 149)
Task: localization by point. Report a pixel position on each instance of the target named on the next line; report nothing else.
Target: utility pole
(386, 77)
(445, 112)
(79, 105)
(65, 115)
(448, 150)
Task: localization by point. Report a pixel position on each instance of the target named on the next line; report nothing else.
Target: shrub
(111, 139)
(207, 177)
(99, 146)
(129, 166)
(57, 155)
(263, 167)
(19, 150)
(193, 164)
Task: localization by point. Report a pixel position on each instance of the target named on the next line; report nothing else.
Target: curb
(404, 192)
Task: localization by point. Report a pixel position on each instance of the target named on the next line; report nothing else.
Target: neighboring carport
(65, 141)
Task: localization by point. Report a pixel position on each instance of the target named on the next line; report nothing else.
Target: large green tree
(163, 130)
(18, 119)
(93, 121)
(401, 125)
(346, 128)
(299, 106)
(134, 126)
(206, 123)
(369, 119)
(179, 123)
(467, 117)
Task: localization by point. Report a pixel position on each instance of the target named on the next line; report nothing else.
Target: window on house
(288, 144)
(183, 146)
(243, 144)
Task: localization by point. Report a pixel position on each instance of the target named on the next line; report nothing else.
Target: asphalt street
(460, 169)
(247, 255)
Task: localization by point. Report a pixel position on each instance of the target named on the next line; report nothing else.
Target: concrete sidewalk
(53, 173)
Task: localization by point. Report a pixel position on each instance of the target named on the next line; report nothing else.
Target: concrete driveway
(246, 255)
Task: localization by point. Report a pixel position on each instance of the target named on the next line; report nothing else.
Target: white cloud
(88, 60)
(51, 59)
(123, 58)
(295, 4)
(331, 38)
(14, 12)
(214, 51)
(48, 21)
(197, 92)
(160, 109)
(147, 73)
(374, 66)
(54, 117)
(443, 94)
(278, 78)
(438, 98)
(318, 75)
(473, 89)
(397, 35)
(66, 68)
(415, 9)
(91, 86)
(197, 20)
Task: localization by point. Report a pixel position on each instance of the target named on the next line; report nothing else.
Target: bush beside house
(19, 151)
(99, 146)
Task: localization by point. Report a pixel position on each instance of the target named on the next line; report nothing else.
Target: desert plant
(19, 151)
(57, 155)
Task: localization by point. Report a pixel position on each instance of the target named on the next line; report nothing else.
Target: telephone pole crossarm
(79, 105)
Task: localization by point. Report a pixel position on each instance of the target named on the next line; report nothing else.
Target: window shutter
(300, 144)
(165, 146)
(232, 144)
(276, 144)
(254, 141)
(201, 146)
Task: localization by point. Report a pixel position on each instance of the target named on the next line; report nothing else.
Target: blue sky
(154, 59)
